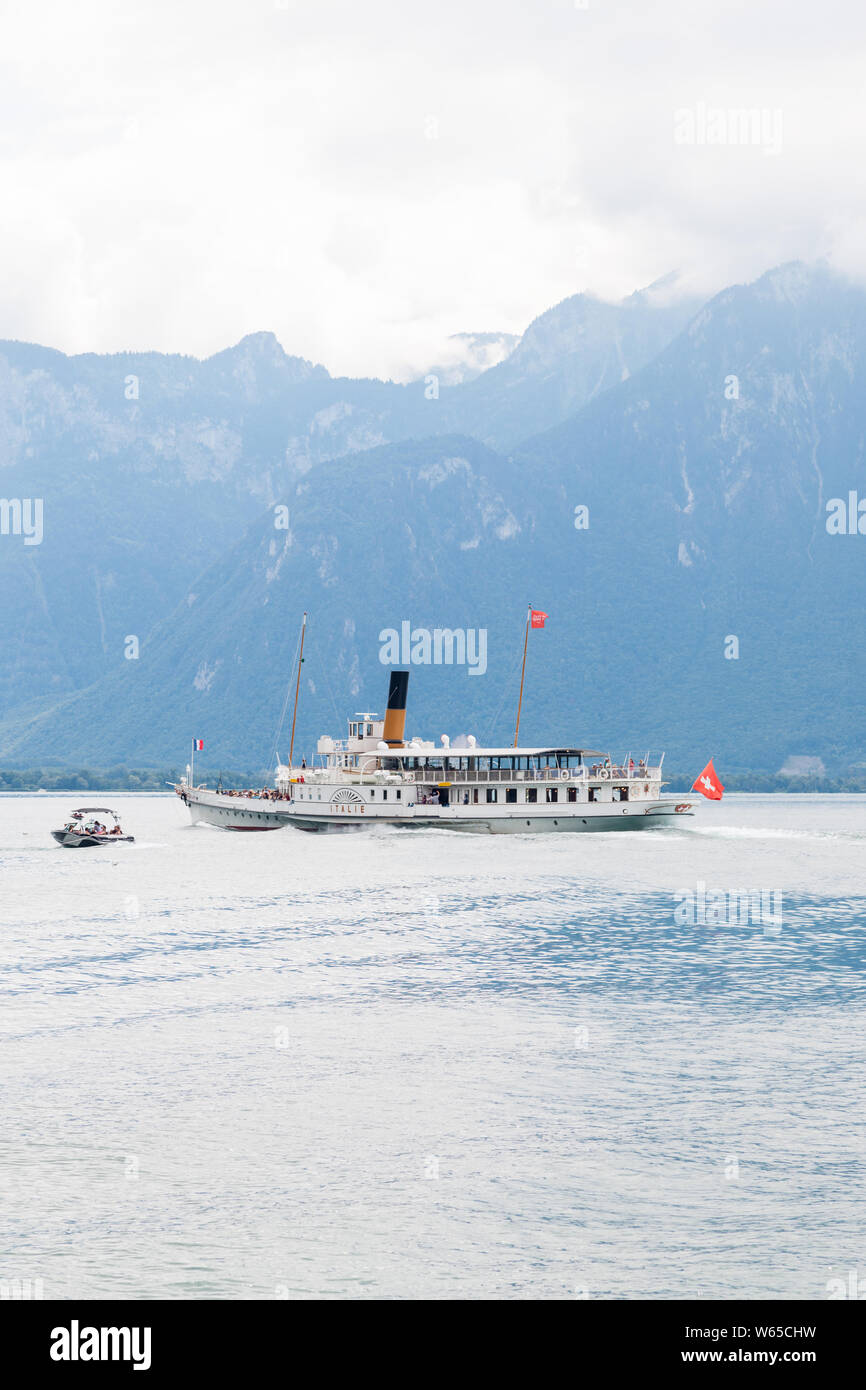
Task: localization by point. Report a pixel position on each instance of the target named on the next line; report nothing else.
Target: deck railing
(598, 773)
(545, 774)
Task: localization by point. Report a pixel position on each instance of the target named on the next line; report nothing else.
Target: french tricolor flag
(198, 744)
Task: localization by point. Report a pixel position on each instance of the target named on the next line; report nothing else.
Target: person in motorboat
(83, 828)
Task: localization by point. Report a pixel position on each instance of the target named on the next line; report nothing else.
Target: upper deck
(428, 763)
(365, 754)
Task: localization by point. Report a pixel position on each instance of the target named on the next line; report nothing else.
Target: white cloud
(367, 180)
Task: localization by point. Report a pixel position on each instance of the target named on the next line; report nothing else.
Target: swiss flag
(708, 784)
(537, 618)
(198, 744)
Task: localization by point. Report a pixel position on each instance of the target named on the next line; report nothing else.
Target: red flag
(198, 744)
(708, 784)
(536, 618)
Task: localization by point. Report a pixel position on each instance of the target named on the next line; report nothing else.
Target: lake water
(416, 1064)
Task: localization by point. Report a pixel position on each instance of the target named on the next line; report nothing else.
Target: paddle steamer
(376, 777)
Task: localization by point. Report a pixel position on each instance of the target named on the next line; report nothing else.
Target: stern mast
(522, 674)
(297, 690)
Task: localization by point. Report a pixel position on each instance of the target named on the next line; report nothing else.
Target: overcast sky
(364, 179)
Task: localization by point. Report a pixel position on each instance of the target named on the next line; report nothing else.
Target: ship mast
(522, 673)
(297, 689)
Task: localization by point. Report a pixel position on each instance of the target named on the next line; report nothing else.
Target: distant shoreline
(75, 781)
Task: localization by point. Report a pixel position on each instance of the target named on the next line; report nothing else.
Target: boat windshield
(87, 821)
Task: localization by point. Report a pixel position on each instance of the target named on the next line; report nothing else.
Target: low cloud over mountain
(655, 475)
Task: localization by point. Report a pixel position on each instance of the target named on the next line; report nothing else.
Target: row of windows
(551, 794)
(491, 795)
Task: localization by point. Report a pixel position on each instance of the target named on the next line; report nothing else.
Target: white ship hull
(253, 813)
(648, 818)
(375, 777)
(234, 812)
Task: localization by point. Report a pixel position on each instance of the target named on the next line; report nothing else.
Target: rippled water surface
(418, 1064)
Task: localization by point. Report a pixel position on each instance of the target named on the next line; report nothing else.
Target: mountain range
(654, 474)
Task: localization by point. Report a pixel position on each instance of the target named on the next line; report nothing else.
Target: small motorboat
(83, 829)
